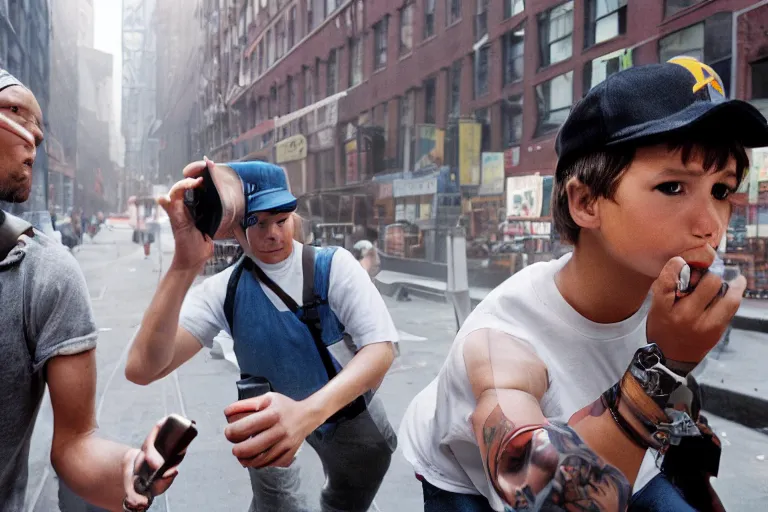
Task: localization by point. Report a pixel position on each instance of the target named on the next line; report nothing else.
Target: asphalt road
(121, 282)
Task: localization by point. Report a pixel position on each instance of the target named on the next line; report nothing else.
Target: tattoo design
(540, 468)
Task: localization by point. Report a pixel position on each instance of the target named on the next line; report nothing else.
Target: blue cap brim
(271, 200)
(737, 120)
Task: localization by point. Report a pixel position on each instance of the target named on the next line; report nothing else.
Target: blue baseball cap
(646, 103)
(265, 187)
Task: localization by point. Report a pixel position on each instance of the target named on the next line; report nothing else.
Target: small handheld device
(174, 437)
(250, 387)
(204, 205)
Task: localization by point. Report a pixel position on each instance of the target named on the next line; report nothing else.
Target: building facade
(381, 99)
(24, 52)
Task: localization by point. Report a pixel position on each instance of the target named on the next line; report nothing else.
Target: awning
(297, 114)
(259, 129)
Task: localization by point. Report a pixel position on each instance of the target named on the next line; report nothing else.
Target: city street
(121, 282)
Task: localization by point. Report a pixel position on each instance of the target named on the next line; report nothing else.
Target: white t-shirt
(351, 295)
(583, 359)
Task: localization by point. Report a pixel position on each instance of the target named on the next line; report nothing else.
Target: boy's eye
(14, 109)
(671, 188)
(281, 222)
(721, 191)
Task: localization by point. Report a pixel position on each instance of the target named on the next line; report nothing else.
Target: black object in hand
(250, 387)
(204, 205)
(174, 437)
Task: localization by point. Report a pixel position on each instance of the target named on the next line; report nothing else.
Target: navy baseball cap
(265, 187)
(647, 102)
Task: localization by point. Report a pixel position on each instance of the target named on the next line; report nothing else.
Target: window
(309, 96)
(429, 18)
(310, 16)
(512, 120)
(380, 44)
(606, 19)
(513, 48)
(406, 29)
(672, 7)
(553, 100)
(430, 100)
(602, 67)
(481, 70)
(280, 37)
(292, 28)
(326, 176)
(355, 62)
(453, 9)
(270, 48)
(483, 116)
(760, 79)
(254, 66)
(709, 41)
(405, 135)
(331, 74)
(291, 86)
(513, 7)
(454, 89)
(555, 31)
(261, 57)
(330, 6)
(481, 19)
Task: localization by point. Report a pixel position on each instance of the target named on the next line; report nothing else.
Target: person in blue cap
(569, 387)
(48, 340)
(286, 306)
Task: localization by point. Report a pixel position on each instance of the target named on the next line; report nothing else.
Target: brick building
(516, 66)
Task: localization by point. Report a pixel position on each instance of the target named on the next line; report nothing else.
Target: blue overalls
(356, 453)
(276, 344)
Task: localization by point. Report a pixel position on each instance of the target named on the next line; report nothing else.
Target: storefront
(291, 155)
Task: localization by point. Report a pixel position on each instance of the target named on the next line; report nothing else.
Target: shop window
(605, 19)
(355, 62)
(601, 68)
(454, 89)
(406, 29)
(513, 7)
(672, 7)
(453, 10)
(556, 34)
(513, 47)
(429, 18)
(406, 135)
(553, 101)
(512, 120)
(331, 74)
(430, 101)
(760, 79)
(708, 41)
(380, 44)
(481, 58)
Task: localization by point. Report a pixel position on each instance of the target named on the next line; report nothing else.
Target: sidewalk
(733, 382)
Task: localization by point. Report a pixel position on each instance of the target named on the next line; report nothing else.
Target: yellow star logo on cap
(703, 74)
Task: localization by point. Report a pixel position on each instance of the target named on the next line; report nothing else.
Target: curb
(750, 411)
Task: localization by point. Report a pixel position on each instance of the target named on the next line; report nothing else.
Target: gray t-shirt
(45, 311)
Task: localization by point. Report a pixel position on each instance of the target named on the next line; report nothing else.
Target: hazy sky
(108, 38)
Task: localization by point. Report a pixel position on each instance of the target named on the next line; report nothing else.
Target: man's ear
(582, 205)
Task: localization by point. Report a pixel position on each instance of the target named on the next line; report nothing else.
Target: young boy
(568, 385)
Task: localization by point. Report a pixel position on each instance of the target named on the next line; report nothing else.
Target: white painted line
(123, 357)
(178, 394)
(105, 329)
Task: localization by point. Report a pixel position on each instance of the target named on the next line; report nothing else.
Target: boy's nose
(707, 222)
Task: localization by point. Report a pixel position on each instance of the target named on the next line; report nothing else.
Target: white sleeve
(357, 303)
(202, 313)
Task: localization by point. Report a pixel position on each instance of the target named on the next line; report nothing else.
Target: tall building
(138, 99)
(84, 24)
(179, 62)
(61, 139)
(24, 52)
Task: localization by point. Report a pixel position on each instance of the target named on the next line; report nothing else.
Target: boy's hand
(688, 328)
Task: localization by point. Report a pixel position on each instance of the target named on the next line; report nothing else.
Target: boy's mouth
(698, 262)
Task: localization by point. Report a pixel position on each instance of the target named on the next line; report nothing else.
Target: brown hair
(601, 171)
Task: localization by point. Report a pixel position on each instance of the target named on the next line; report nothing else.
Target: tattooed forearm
(549, 467)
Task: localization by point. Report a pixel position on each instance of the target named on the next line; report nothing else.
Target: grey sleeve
(202, 313)
(60, 318)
